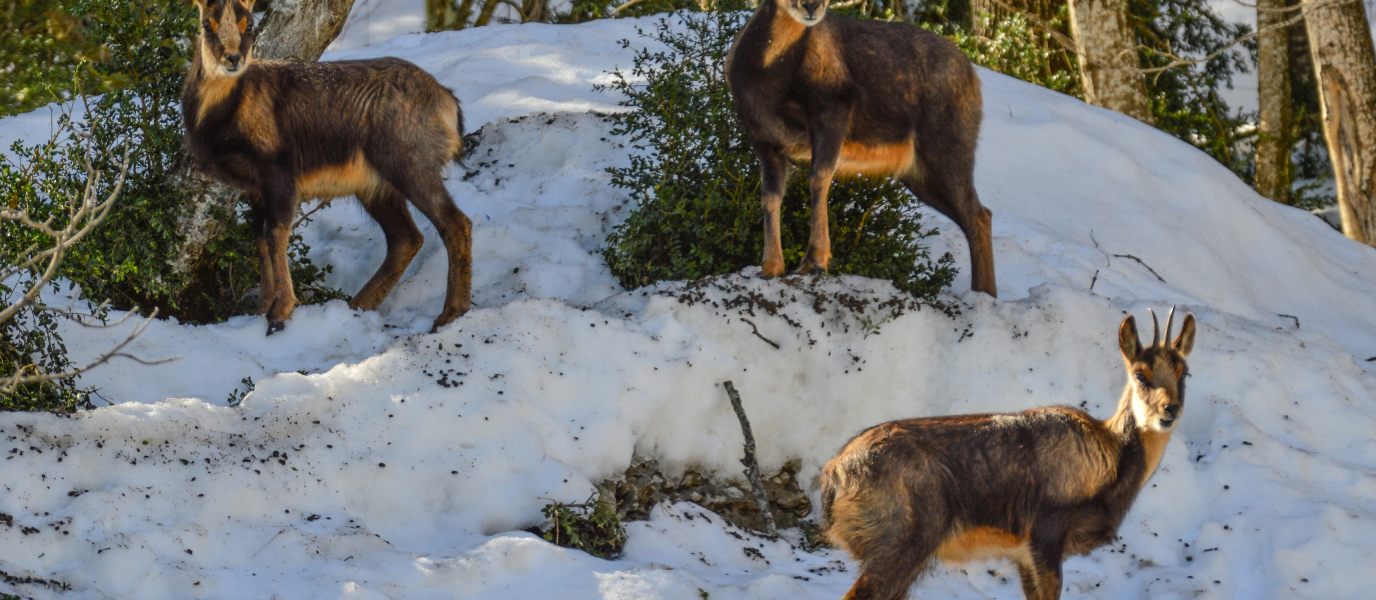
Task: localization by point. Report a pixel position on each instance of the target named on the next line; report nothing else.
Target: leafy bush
(696, 185)
(592, 527)
(1014, 48)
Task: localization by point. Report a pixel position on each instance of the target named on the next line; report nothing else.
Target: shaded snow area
(404, 465)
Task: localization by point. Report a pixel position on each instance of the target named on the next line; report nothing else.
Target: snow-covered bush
(696, 183)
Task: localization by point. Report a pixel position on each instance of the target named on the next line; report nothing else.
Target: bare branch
(752, 467)
(83, 212)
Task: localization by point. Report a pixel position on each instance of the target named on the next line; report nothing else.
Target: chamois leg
(428, 194)
(258, 224)
(1041, 571)
(891, 567)
(773, 177)
(279, 208)
(826, 151)
(892, 525)
(388, 207)
(953, 195)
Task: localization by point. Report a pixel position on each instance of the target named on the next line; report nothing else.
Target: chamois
(284, 131)
(1034, 486)
(858, 97)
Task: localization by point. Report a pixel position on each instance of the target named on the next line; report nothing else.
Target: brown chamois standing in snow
(1033, 487)
(858, 97)
(284, 131)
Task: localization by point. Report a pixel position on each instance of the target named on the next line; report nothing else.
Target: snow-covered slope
(400, 463)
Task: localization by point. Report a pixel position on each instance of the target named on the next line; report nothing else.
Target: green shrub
(695, 183)
(592, 527)
(1014, 48)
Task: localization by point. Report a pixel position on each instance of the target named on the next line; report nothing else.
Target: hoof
(276, 326)
(771, 271)
(810, 269)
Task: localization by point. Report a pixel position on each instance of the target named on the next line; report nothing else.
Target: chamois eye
(1142, 378)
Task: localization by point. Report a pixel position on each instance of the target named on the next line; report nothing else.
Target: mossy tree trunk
(1110, 70)
(1274, 139)
(1345, 71)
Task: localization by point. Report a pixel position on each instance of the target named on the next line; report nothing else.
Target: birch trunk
(291, 29)
(1274, 139)
(1345, 71)
(1109, 67)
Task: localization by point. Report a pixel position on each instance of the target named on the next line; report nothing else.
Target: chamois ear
(1127, 339)
(248, 4)
(1185, 341)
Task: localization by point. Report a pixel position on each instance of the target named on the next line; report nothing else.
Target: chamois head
(226, 40)
(807, 12)
(1156, 374)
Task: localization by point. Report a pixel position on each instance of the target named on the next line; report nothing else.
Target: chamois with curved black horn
(284, 131)
(858, 97)
(1034, 486)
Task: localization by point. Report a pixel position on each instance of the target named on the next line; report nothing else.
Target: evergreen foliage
(696, 183)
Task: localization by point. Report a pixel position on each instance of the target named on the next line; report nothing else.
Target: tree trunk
(1109, 67)
(442, 15)
(1345, 71)
(291, 29)
(1274, 139)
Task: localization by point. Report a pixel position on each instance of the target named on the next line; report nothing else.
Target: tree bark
(1345, 71)
(442, 15)
(1109, 67)
(291, 29)
(1274, 138)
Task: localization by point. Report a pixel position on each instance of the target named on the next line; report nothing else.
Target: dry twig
(752, 467)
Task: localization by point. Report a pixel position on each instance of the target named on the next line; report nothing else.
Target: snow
(403, 464)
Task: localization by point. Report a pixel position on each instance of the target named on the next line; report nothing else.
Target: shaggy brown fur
(1033, 487)
(380, 129)
(858, 97)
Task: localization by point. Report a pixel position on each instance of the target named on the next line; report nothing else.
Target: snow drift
(376, 461)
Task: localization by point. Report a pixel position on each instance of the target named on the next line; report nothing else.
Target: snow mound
(374, 460)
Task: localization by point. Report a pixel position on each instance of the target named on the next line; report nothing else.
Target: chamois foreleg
(828, 131)
(388, 207)
(1041, 570)
(258, 224)
(426, 191)
(279, 208)
(774, 168)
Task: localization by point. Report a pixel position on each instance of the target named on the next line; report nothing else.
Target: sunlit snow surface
(387, 483)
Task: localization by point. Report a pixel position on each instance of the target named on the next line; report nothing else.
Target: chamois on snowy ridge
(283, 131)
(858, 97)
(1033, 486)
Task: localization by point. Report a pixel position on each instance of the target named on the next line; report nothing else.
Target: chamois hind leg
(426, 191)
(892, 525)
(388, 207)
(279, 208)
(773, 177)
(889, 568)
(950, 189)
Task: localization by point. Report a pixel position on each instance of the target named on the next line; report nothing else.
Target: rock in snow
(403, 464)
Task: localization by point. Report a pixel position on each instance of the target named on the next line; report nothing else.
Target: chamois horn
(1170, 318)
(1155, 330)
